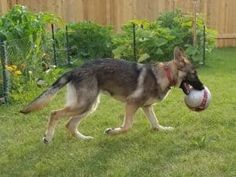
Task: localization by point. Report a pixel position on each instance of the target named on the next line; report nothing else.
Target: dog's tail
(43, 99)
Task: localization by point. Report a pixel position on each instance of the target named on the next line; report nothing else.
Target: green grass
(202, 144)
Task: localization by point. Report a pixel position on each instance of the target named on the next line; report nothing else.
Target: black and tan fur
(137, 85)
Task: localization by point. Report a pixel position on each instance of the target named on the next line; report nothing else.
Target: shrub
(29, 27)
(153, 42)
(87, 40)
(26, 38)
(181, 26)
(156, 39)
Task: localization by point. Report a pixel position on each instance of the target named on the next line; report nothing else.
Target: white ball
(198, 100)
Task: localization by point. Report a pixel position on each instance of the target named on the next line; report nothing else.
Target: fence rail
(219, 14)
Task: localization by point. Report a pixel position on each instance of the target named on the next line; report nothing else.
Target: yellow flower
(18, 72)
(9, 68)
(14, 67)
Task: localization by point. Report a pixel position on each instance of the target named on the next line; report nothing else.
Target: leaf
(159, 52)
(160, 42)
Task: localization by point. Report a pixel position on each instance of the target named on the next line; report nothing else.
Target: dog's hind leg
(55, 116)
(128, 120)
(74, 121)
(81, 96)
(149, 112)
(72, 127)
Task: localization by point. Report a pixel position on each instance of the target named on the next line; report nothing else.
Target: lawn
(202, 144)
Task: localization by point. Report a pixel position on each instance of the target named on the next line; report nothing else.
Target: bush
(25, 30)
(152, 41)
(181, 26)
(26, 38)
(87, 40)
(156, 39)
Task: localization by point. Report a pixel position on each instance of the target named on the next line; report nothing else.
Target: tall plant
(87, 40)
(25, 31)
(26, 35)
(181, 26)
(155, 40)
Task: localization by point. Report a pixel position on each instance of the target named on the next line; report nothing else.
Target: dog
(137, 85)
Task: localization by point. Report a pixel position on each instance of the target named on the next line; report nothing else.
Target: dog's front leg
(130, 110)
(149, 112)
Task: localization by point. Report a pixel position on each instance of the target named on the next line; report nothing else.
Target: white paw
(117, 130)
(162, 128)
(46, 140)
(87, 138)
(109, 131)
(83, 137)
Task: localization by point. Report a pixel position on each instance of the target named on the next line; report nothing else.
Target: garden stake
(134, 42)
(204, 44)
(67, 46)
(54, 46)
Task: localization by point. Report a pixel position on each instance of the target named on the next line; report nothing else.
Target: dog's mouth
(188, 86)
(185, 87)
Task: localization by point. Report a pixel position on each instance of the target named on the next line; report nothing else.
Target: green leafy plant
(155, 40)
(181, 26)
(87, 40)
(26, 38)
(29, 27)
(25, 35)
(152, 41)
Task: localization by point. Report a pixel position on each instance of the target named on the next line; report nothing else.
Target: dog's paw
(162, 128)
(83, 137)
(114, 131)
(88, 138)
(109, 131)
(80, 136)
(45, 140)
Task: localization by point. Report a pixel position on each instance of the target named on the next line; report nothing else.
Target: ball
(198, 100)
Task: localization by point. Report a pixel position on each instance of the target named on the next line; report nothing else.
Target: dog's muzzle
(187, 86)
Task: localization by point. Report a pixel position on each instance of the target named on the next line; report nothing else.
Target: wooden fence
(218, 14)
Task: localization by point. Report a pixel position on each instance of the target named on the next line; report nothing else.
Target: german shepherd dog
(137, 85)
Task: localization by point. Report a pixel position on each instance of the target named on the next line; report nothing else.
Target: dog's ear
(179, 54)
(180, 57)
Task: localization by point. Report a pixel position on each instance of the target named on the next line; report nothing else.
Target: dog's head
(187, 74)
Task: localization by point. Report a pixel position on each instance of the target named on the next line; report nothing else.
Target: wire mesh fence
(23, 60)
